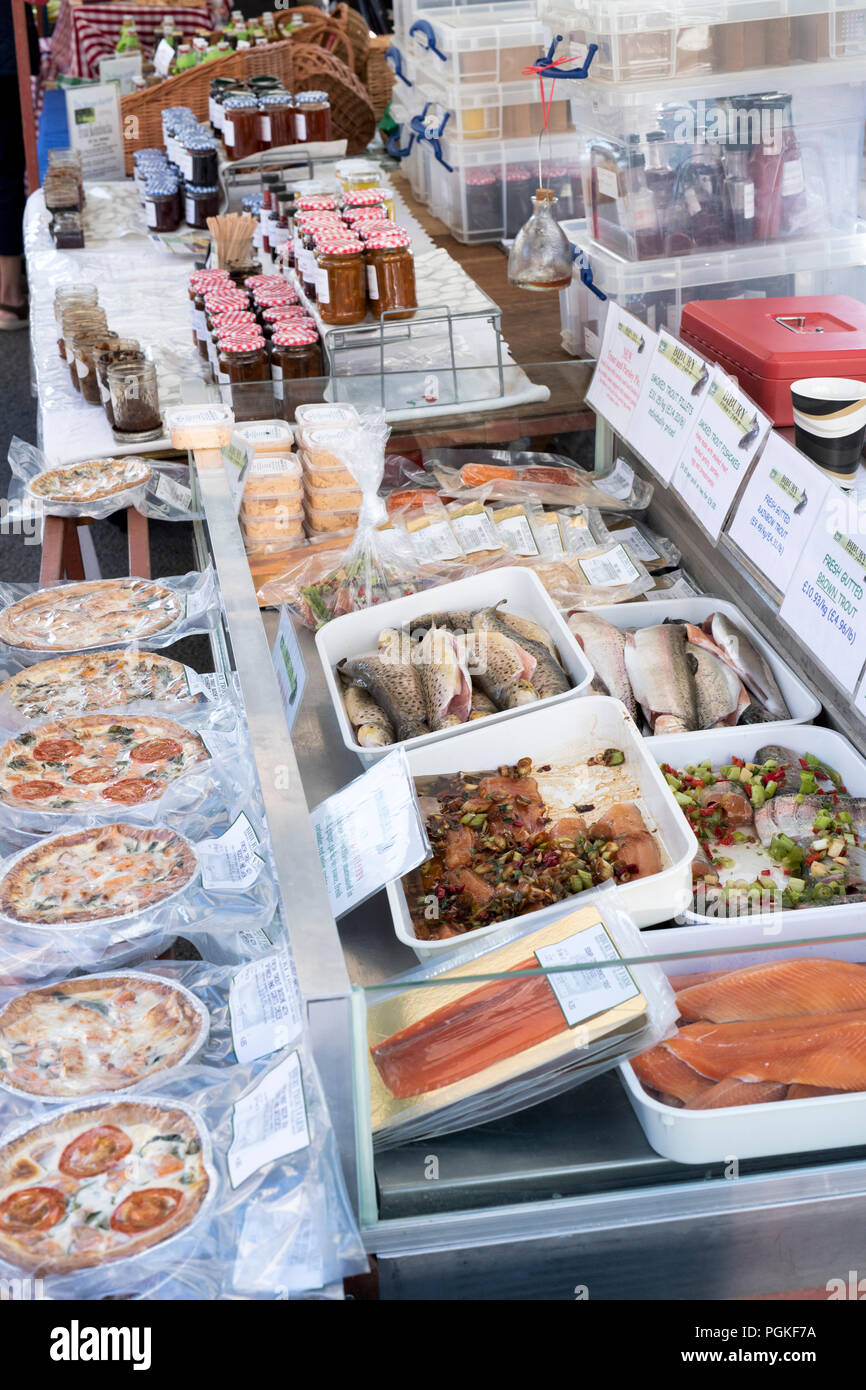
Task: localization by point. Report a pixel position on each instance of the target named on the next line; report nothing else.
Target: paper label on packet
(474, 529)
(434, 540)
(231, 860)
(270, 1122)
(585, 993)
(513, 528)
(637, 543)
(265, 1007)
(619, 483)
(169, 490)
(615, 566)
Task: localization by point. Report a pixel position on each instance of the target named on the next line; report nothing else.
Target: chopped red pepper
(738, 762)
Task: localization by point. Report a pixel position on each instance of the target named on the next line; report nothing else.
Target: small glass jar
(75, 323)
(341, 289)
(391, 275)
(284, 315)
(72, 297)
(241, 273)
(243, 367)
(295, 352)
(484, 212)
(234, 322)
(162, 207)
(198, 160)
(84, 348)
(201, 201)
(67, 231)
(124, 352)
(368, 198)
(134, 399)
(199, 284)
(241, 126)
(312, 117)
(219, 88)
(276, 120)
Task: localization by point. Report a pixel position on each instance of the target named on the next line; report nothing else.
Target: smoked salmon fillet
(777, 990)
(833, 1055)
(733, 1091)
(661, 1070)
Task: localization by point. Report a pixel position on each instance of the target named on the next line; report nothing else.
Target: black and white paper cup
(830, 424)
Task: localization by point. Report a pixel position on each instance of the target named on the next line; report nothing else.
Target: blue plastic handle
(586, 272)
(425, 28)
(547, 58)
(394, 58)
(392, 144)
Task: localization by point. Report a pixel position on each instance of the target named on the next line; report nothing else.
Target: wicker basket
(379, 76)
(329, 36)
(359, 35)
(310, 14)
(352, 115)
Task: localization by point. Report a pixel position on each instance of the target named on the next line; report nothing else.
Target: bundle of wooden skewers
(232, 238)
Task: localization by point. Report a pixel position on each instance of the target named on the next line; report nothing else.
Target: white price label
(169, 490)
(474, 531)
(546, 531)
(515, 533)
(231, 860)
(782, 498)
(619, 483)
(323, 287)
(270, 1122)
(825, 604)
(435, 542)
(637, 543)
(289, 668)
(672, 395)
(727, 434)
(614, 567)
(265, 1007)
(623, 363)
(585, 993)
(372, 282)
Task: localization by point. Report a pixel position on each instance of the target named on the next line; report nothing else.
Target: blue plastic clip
(392, 144)
(546, 61)
(424, 27)
(394, 58)
(586, 271)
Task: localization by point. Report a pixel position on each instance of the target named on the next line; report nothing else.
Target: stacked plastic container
(721, 151)
(471, 120)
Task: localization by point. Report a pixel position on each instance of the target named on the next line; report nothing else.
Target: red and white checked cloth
(85, 33)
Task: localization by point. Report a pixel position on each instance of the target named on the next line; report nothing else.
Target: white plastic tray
(701, 933)
(525, 596)
(573, 730)
(751, 1131)
(800, 701)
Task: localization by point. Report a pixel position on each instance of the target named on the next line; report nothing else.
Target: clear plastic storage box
(655, 291)
(480, 43)
(718, 167)
(490, 110)
(690, 38)
(485, 194)
(407, 12)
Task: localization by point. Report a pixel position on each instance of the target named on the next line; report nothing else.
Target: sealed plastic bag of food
(500, 1028)
(129, 680)
(94, 614)
(216, 1182)
(104, 895)
(642, 543)
(97, 488)
(553, 480)
(603, 574)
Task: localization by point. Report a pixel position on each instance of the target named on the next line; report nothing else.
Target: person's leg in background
(12, 200)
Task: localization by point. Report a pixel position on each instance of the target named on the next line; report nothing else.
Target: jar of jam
(277, 120)
(226, 325)
(316, 202)
(271, 296)
(484, 211)
(84, 348)
(198, 159)
(391, 275)
(341, 290)
(219, 88)
(72, 297)
(283, 314)
(240, 273)
(121, 353)
(372, 226)
(312, 117)
(201, 201)
(245, 377)
(366, 198)
(241, 125)
(135, 401)
(295, 353)
(199, 284)
(162, 206)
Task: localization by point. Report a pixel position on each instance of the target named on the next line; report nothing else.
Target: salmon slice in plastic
(777, 989)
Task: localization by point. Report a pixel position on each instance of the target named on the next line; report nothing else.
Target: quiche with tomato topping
(99, 1183)
(95, 613)
(91, 480)
(69, 685)
(99, 759)
(103, 1033)
(107, 871)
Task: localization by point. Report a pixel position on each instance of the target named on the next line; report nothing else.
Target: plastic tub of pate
(273, 476)
(750, 1131)
(333, 498)
(803, 705)
(521, 593)
(326, 519)
(280, 524)
(268, 436)
(321, 467)
(565, 734)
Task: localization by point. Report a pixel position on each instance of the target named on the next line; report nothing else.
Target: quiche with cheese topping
(99, 1183)
(107, 871)
(91, 480)
(94, 613)
(68, 685)
(99, 759)
(103, 1033)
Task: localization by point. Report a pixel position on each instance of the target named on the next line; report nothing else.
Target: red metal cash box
(768, 343)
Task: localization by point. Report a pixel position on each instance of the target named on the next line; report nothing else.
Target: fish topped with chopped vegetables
(777, 831)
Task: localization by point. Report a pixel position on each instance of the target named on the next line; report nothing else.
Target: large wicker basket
(329, 36)
(359, 35)
(380, 77)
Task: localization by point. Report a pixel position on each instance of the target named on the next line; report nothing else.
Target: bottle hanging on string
(541, 256)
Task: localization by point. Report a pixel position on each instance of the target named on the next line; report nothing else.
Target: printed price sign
(265, 1007)
(783, 496)
(237, 458)
(586, 993)
(269, 1122)
(289, 668)
(727, 434)
(825, 598)
(93, 119)
(622, 366)
(370, 833)
(676, 383)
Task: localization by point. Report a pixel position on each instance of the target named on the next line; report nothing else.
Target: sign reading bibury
(77, 1343)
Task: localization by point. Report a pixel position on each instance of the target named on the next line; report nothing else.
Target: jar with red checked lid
(341, 289)
(244, 375)
(391, 274)
(283, 314)
(295, 352)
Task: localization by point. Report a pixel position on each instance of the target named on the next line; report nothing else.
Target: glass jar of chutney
(162, 206)
(245, 377)
(201, 201)
(341, 288)
(391, 275)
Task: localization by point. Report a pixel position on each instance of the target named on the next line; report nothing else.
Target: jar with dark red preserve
(520, 182)
(483, 201)
(295, 352)
(341, 282)
(201, 201)
(199, 283)
(198, 159)
(283, 314)
(162, 206)
(391, 275)
(241, 125)
(245, 377)
(276, 120)
(316, 202)
(312, 117)
(241, 273)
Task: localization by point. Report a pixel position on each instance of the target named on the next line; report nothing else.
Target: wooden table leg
(72, 565)
(61, 553)
(139, 544)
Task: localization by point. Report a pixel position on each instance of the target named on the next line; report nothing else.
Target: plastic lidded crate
(407, 12)
(479, 43)
(485, 194)
(715, 167)
(491, 110)
(656, 291)
(691, 38)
